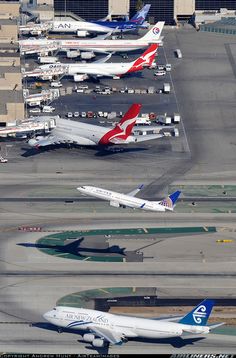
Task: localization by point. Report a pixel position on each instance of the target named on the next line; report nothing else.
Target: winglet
(199, 315)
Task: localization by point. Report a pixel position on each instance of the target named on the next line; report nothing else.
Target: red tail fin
(124, 128)
(146, 59)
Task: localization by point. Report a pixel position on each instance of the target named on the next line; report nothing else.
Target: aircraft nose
(47, 315)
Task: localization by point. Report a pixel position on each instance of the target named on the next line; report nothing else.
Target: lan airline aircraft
(128, 200)
(81, 71)
(84, 28)
(94, 45)
(106, 328)
(68, 131)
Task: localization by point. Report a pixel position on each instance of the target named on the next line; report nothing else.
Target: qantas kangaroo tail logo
(145, 60)
(124, 128)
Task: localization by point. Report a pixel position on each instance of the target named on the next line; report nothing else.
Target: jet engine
(115, 204)
(72, 54)
(98, 342)
(87, 55)
(82, 33)
(80, 78)
(88, 337)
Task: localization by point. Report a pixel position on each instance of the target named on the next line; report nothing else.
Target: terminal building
(11, 94)
(170, 11)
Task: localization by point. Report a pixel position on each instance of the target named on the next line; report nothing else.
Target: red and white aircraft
(81, 71)
(85, 134)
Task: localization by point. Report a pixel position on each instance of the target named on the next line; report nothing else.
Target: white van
(178, 53)
(48, 109)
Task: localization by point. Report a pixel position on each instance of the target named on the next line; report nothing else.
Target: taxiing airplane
(82, 71)
(85, 134)
(84, 28)
(109, 329)
(129, 201)
(94, 45)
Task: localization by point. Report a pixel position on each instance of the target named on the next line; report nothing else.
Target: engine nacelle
(115, 204)
(81, 33)
(46, 77)
(88, 337)
(36, 32)
(87, 55)
(98, 342)
(80, 78)
(72, 54)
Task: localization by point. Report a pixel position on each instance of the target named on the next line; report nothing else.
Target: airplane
(85, 134)
(128, 200)
(84, 28)
(94, 45)
(137, 21)
(110, 329)
(82, 71)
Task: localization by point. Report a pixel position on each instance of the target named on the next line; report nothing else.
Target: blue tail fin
(199, 315)
(170, 201)
(140, 16)
(174, 196)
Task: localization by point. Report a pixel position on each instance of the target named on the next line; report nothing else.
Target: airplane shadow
(99, 151)
(177, 342)
(50, 327)
(75, 249)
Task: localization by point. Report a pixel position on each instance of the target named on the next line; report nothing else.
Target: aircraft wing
(143, 138)
(106, 35)
(59, 138)
(135, 191)
(110, 336)
(104, 59)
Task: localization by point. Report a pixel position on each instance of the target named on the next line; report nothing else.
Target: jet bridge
(43, 124)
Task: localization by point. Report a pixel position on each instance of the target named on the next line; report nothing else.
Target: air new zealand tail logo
(199, 313)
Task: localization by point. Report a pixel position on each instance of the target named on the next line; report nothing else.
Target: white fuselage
(82, 133)
(84, 45)
(99, 69)
(73, 26)
(85, 319)
(122, 199)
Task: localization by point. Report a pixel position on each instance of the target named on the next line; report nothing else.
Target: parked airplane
(94, 45)
(134, 23)
(82, 71)
(67, 131)
(106, 328)
(128, 200)
(84, 28)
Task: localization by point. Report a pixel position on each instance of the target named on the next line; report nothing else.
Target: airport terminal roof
(226, 25)
(9, 97)
(10, 69)
(8, 21)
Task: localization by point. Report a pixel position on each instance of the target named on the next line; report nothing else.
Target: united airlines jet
(129, 200)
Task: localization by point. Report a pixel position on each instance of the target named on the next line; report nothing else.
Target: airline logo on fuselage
(199, 313)
(64, 26)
